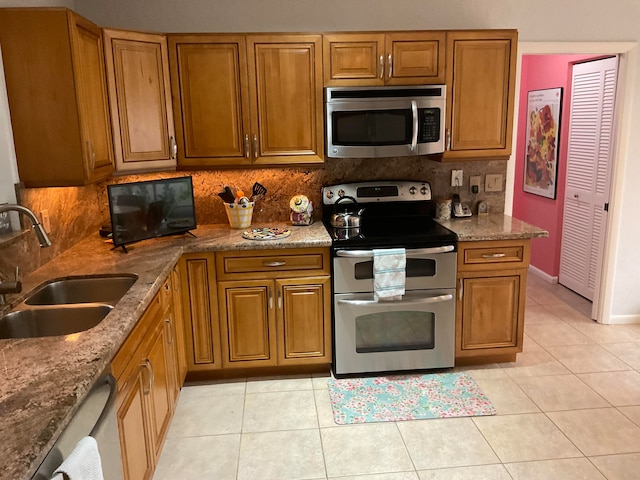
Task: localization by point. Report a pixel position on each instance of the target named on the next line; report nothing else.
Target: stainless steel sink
(47, 322)
(91, 289)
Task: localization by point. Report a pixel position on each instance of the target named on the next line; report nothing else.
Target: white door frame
(627, 52)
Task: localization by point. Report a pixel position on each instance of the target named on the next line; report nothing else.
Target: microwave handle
(414, 139)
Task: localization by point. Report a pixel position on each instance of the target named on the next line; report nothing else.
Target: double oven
(416, 332)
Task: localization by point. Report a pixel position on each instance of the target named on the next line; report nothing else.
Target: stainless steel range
(417, 331)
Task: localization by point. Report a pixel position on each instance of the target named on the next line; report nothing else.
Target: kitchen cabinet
(490, 300)
(247, 100)
(480, 81)
(54, 69)
(378, 58)
(275, 307)
(146, 390)
(179, 326)
(137, 67)
(200, 311)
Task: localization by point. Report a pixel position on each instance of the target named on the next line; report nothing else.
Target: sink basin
(93, 289)
(48, 322)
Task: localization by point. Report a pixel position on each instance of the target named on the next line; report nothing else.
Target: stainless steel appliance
(368, 122)
(96, 416)
(417, 332)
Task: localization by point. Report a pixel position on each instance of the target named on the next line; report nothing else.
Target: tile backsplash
(76, 212)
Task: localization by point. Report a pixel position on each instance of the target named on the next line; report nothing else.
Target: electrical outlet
(475, 181)
(456, 178)
(44, 219)
(493, 182)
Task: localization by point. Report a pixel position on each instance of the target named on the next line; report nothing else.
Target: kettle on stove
(346, 216)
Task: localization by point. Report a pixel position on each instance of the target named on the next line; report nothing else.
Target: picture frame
(542, 142)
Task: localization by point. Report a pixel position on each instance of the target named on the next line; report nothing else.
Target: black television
(149, 209)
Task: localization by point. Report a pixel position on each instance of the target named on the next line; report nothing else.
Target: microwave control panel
(429, 119)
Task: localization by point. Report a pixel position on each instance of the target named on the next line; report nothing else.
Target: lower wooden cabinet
(145, 372)
(275, 322)
(491, 297)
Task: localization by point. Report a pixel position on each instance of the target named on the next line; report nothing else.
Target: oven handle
(436, 299)
(414, 252)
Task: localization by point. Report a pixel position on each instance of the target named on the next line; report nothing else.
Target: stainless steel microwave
(368, 122)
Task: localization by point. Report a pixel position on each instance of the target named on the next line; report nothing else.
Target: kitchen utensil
(226, 198)
(258, 189)
(348, 218)
(230, 192)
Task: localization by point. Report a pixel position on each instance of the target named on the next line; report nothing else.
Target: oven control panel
(381, 191)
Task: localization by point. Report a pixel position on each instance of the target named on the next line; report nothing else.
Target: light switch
(493, 182)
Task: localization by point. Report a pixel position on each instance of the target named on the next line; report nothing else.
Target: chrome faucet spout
(37, 227)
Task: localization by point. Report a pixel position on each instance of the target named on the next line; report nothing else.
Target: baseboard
(543, 275)
(624, 319)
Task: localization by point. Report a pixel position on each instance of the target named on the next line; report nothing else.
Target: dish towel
(83, 463)
(389, 273)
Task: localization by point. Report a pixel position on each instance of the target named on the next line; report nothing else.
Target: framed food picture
(543, 133)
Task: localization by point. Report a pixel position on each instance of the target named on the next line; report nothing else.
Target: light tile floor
(568, 408)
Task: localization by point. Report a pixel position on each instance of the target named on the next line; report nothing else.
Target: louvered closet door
(588, 171)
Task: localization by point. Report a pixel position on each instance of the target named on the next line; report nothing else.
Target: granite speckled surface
(495, 226)
(45, 379)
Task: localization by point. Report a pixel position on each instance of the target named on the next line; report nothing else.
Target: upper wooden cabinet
(243, 100)
(54, 69)
(137, 66)
(395, 58)
(480, 83)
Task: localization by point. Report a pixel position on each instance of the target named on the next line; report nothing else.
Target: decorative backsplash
(76, 212)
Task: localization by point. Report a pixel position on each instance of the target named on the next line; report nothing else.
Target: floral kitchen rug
(407, 397)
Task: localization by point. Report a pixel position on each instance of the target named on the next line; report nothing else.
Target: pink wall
(540, 72)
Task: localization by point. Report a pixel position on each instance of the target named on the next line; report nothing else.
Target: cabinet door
(161, 395)
(354, 59)
(137, 66)
(210, 99)
(304, 320)
(285, 85)
(179, 326)
(490, 314)
(480, 90)
(200, 309)
(248, 323)
(135, 443)
(91, 90)
(415, 58)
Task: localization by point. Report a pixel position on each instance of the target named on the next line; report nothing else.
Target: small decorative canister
(443, 208)
(301, 210)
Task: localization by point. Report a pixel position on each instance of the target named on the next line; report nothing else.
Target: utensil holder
(239, 215)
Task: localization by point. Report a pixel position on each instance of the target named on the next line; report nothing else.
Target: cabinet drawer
(271, 263)
(488, 255)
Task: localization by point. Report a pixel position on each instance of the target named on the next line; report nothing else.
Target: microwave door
(363, 131)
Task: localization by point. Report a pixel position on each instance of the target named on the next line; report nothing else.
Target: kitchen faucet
(16, 286)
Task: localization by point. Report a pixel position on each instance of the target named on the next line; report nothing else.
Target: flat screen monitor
(149, 209)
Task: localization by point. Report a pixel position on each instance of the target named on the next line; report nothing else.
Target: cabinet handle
(170, 334)
(448, 139)
(493, 255)
(279, 299)
(390, 65)
(270, 293)
(274, 264)
(255, 146)
(460, 289)
(247, 147)
(381, 66)
(148, 366)
(173, 148)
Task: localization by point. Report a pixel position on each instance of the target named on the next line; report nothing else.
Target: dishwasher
(96, 417)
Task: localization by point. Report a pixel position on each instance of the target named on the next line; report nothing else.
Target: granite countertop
(45, 379)
(494, 226)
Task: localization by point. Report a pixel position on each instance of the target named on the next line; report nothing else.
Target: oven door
(425, 268)
(414, 333)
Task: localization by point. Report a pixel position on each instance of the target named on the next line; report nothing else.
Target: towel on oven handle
(389, 273)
